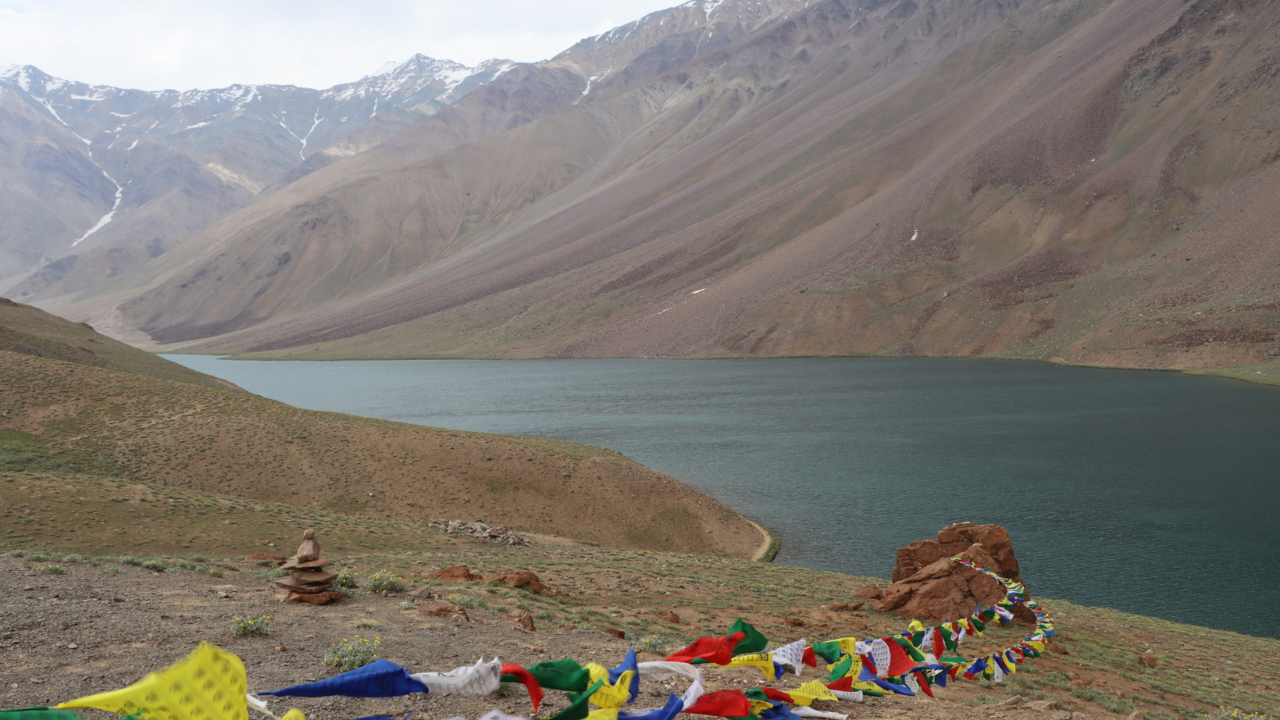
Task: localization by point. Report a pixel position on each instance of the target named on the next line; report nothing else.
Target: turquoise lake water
(1149, 492)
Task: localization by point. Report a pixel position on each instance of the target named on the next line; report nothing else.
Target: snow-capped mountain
(198, 153)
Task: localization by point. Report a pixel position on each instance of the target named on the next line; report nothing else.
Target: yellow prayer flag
(610, 696)
(810, 691)
(608, 713)
(208, 685)
(761, 661)
(759, 706)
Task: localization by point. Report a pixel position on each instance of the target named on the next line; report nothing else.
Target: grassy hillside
(195, 541)
(31, 331)
(60, 416)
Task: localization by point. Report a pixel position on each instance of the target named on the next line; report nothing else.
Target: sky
(185, 44)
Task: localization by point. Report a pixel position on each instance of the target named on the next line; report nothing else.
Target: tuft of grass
(50, 569)
(352, 654)
(346, 578)
(384, 581)
(251, 625)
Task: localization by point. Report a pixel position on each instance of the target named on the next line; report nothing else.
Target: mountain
(98, 179)
(1084, 180)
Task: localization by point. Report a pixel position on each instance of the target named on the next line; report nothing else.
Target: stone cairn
(308, 582)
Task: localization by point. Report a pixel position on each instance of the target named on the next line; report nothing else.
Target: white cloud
(183, 44)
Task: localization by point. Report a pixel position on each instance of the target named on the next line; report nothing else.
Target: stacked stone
(308, 582)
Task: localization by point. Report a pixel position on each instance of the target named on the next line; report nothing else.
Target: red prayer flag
(900, 662)
(777, 695)
(844, 684)
(724, 703)
(717, 651)
(528, 680)
(810, 657)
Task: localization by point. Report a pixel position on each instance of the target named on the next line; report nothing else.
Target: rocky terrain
(76, 632)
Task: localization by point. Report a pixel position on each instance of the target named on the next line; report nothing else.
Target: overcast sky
(184, 44)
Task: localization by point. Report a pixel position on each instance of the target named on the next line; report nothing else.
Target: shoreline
(768, 549)
(1228, 372)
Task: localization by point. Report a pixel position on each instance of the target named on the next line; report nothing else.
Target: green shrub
(213, 572)
(346, 578)
(175, 570)
(251, 625)
(130, 560)
(385, 581)
(352, 654)
(157, 565)
(51, 569)
(73, 558)
(982, 699)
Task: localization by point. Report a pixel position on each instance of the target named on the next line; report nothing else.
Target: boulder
(928, 585)
(955, 539)
(435, 610)
(848, 607)
(517, 579)
(1148, 659)
(454, 573)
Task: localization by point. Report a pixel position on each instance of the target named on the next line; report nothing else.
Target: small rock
(435, 610)
(1060, 715)
(536, 650)
(72, 646)
(668, 616)
(281, 648)
(28, 588)
(1148, 659)
(1014, 701)
(525, 621)
(319, 598)
(517, 579)
(615, 633)
(454, 573)
(1079, 716)
(1044, 705)
(796, 622)
(461, 614)
(221, 594)
(847, 607)
(871, 592)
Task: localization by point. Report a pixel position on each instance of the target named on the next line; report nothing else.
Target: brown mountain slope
(86, 418)
(1077, 179)
(30, 331)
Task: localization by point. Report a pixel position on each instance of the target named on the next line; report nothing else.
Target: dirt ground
(100, 627)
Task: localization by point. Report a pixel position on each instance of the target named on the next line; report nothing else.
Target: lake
(1154, 493)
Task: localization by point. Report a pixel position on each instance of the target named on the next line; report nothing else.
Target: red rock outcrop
(928, 585)
(952, 541)
(517, 579)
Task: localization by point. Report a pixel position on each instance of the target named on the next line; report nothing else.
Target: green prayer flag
(754, 641)
(578, 708)
(566, 675)
(829, 651)
(841, 669)
(38, 713)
